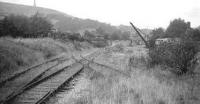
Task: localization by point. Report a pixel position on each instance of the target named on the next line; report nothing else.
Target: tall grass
(13, 56)
(47, 46)
(18, 53)
(152, 86)
(141, 88)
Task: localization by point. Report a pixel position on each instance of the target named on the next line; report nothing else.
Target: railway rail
(39, 86)
(18, 81)
(45, 79)
(107, 67)
(17, 74)
(88, 64)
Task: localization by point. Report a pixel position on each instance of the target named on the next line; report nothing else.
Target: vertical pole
(35, 7)
(34, 3)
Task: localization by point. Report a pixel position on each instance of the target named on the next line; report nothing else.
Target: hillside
(61, 21)
(8, 8)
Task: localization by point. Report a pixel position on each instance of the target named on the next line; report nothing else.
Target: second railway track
(46, 83)
(37, 94)
(42, 85)
(19, 80)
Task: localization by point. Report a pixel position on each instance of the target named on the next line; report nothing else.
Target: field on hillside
(143, 85)
(17, 54)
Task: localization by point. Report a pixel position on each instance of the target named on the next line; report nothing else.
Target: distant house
(167, 40)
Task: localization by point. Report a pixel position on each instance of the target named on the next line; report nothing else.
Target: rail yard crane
(140, 35)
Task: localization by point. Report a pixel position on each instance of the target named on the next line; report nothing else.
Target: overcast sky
(143, 13)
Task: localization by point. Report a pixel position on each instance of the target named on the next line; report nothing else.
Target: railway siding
(37, 84)
(46, 88)
(9, 87)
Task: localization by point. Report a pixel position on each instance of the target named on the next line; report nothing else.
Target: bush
(178, 56)
(177, 28)
(75, 37)
(156, 33)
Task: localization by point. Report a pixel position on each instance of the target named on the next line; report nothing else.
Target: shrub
(177, 28)
(178, 56)
(75, 37)
(156, 33)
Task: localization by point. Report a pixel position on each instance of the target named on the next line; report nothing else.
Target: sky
(143, 13)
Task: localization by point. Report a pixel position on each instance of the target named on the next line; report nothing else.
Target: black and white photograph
(99, 51)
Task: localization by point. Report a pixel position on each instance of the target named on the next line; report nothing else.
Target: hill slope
(61, 21)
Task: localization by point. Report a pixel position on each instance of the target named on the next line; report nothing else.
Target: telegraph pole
(34, 3)
(35, 7)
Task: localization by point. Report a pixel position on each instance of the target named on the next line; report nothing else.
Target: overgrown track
(17, 74)
(41, 85)
(19, 80)
(42, 90)
(107, 67)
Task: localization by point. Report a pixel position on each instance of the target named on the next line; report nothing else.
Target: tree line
(39, 26)
(23, 26)
(178, 28)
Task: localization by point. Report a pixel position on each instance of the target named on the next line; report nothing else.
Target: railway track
(37, 94)
(89, 64)
(18, 81)
(39, 86)
(45, 80)
(17, 74)
(107, 67)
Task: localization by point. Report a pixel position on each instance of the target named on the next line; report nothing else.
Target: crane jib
(146, 43)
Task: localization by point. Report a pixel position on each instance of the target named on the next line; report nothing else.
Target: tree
(100, 31)
(177, 28)
(75, 37)
(116, 35)
(39, 25)
(156, 33)
(88, 35)
(23, 26)
(198, 28)
(125, 35)
(193, 34)
(15, 25)
(107, 36)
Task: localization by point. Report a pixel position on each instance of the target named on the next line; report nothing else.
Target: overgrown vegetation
(23, 26)
(102, 85)
(179, 54)
(14, 56)
(16, 53)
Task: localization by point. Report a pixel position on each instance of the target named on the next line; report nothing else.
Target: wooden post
(147, 45)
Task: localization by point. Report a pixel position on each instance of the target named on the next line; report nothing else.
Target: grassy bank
(15, 54)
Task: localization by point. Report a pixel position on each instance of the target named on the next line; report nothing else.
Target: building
(167, 40)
